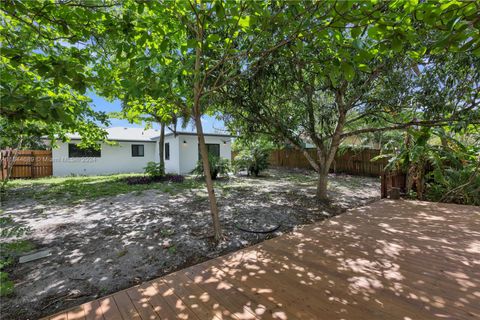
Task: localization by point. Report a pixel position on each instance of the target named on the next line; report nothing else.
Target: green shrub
(154, 169)
(446, 172)
(218, 166)
(253, 157)
(457, 178)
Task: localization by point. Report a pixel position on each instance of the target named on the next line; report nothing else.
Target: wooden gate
(28, 163)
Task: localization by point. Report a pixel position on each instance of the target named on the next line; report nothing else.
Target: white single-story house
(133, 148)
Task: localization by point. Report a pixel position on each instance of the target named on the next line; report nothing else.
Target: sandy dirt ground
(108, 244)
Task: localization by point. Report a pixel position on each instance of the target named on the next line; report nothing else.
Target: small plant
(154, 169)
(218, 166)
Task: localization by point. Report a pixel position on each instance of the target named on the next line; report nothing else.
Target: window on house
(167, 151)
(75, 152)
(212, 148)
(138, 150)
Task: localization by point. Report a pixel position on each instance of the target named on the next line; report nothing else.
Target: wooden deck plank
(77, 313)
(388, 260)
(125, 306)
(181, 310)
(293, 287)
(265, 306)
(93, 310)
(59, 316)
(151, 294)
(109, 309)
(226, 293)
(207, 307)
(142, 304)
(360, 282)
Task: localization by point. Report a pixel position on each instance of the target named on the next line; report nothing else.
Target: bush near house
(218, 166)
(154, 169)
(253, 157)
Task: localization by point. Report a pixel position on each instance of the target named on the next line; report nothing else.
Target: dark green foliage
(218, 166)
(443, 172)
(150, 179)
(154, 169)
(456, 177)
(253, 157)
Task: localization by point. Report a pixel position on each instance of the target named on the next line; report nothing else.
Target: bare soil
(108, 244)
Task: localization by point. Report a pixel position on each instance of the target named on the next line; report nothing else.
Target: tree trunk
(208, 179)
(161, 147)
(197, 113)
(322, 185)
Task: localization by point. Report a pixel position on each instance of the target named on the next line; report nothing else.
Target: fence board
(355, 162)
(28, 164)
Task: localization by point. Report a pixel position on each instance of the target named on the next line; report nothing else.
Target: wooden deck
(389, 260)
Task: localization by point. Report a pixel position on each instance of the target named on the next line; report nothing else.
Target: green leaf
(396, 44)
(213, 38)
(363, 67)
(244, 22)
(374, 32)
(348, 71)
(355, 32)
(191, 43)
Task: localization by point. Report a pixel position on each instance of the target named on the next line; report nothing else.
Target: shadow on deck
(389, 260)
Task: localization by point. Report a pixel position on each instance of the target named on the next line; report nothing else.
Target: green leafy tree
(44, 74)
(379, 68)
(188, 51)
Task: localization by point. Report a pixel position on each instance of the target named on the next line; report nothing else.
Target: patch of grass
(167, 232)
(9, 229)
(77, 189)
(122, 253)
(6, 285)
(300, 178)
(350, 182)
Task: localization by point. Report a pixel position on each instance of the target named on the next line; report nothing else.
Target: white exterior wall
(189, 150)
(114, 159)
(172, 165)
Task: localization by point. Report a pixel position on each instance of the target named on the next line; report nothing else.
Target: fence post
(32, 164)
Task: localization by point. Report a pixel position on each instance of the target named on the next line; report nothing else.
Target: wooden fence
(28, 164)
(393, 180)
(350, 162)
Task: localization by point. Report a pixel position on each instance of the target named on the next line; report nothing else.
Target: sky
(210, 124)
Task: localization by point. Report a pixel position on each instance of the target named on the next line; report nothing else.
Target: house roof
(126, 134)
(179, 133)
(140, 134)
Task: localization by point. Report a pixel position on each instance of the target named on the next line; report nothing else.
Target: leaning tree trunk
(197, 94)
(217, 231)
(161, 147)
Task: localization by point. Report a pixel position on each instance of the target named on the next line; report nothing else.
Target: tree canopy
(321, 70)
